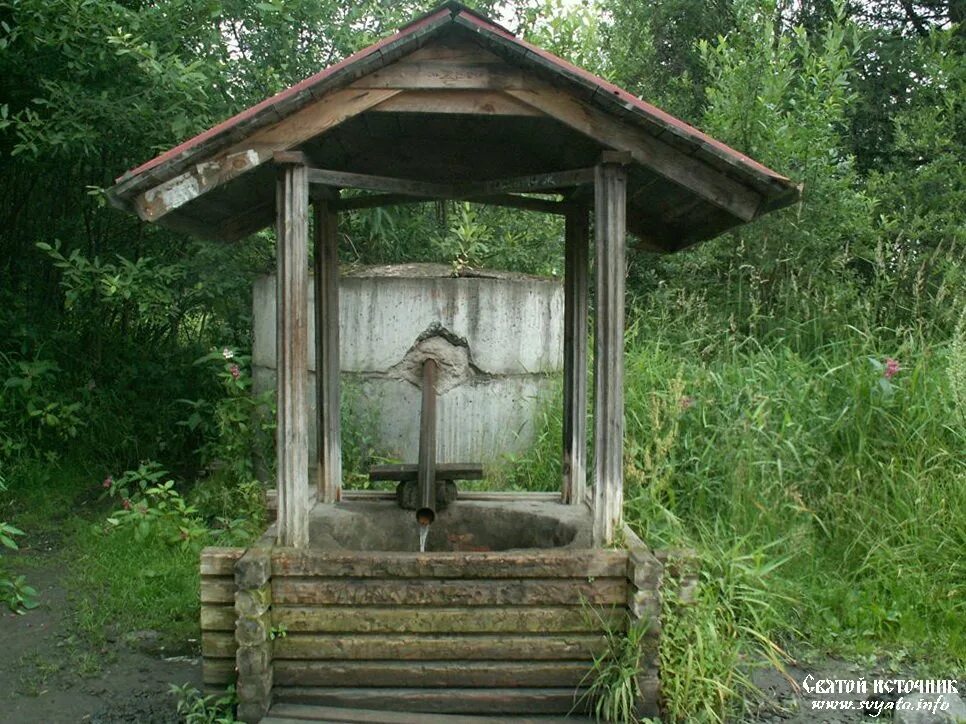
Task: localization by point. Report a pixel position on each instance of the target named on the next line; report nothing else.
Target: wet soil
(48, 675)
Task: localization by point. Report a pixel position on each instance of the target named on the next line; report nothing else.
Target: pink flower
(892, 368)
(235, 372)
(108, 481)
(686, 402)
(126, 504)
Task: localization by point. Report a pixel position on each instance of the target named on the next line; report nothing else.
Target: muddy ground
(48, 676)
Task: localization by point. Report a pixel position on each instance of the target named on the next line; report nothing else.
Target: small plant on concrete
(196, 708)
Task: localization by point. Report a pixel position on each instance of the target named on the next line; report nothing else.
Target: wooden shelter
(452, 106)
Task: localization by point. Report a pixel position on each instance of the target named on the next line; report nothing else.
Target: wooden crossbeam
(427, 189)
(444, 471)
(527, 203)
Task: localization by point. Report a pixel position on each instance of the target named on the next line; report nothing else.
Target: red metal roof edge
(254, 110)
(663, 117)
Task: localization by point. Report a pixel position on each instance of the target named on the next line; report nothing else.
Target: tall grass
(824, 498)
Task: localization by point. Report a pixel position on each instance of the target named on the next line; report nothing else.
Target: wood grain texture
(461, 102)
(257, 149)
(542, 564)
(453, 592)
(576, 271)
(700, 178)
(292, 355)
(417, 647)
(609, 238)
(405, 619)
(218, 618)
(328, 419)
(471, 674)
(452, 701)
(219, 561)
(217, 589)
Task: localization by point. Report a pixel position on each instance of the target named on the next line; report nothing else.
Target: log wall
(444, 632)
(496, 633)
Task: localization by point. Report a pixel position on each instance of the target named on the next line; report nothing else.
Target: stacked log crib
(512, 632)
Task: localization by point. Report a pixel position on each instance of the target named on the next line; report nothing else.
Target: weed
(199, 709)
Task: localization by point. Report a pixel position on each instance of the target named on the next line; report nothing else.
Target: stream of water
(423, 535)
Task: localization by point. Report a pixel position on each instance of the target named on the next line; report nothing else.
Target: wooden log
(416, 647)
(444, 471)
(527, 203)
(576, 266)
(283, 713)
(292, 356)
(469, 674)
(609, 234)
(504, 496)
(412, 592)
(543, 564)
(462, 102)
(218, 671)
(219, 561)
(443, 75)
(257, 149)
(218, 618)
(217, 589)
(218, 645)
(405, 619)
(439, 700)
(674, 165)
(533, 183)
(328, 419)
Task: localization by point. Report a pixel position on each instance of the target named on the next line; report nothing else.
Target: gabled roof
(684, 186)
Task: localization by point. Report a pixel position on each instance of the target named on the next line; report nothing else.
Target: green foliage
(613, 687)
(199, 709)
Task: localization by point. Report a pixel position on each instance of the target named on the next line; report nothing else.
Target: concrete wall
(512, 326)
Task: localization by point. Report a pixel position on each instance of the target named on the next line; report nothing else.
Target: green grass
(116, 585)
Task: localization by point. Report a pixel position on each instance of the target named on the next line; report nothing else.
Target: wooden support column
(291, 203)
(327, 422)
(610, 197)
(576, 265)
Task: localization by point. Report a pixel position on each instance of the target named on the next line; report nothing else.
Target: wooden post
(328, 431)
(291, 204)
(610, 197)
(575, 357)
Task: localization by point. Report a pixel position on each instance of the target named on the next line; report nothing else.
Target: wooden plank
(257, 149)
(531, 183)
(328, 418)
(292, 356)
(285, 713)
(454, 592)
(438, 700)
(219, 561)
(477, 103)
(527, 203)
(692, 174)
(499, 495)
(403, 619)
(442, 674)
(423, 75)
(444, 471)
(609, 238)
(576, 270)
(217, 589)
(218, 644)
(218, 618)
(416, 647)
(463, 565)
(218, 671)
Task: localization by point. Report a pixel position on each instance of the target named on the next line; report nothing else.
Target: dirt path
(47, 675)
